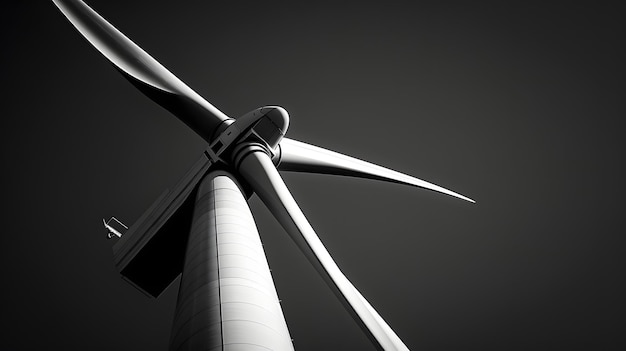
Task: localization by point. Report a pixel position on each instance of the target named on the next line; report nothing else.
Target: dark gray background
(519, 106)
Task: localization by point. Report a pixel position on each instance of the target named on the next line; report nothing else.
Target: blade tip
(468, 199)
(459, 196)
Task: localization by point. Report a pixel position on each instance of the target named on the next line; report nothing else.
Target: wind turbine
(227, 299)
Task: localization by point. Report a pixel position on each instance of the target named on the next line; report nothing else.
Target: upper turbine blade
(259, 172)
(302, 157)
(142, 70)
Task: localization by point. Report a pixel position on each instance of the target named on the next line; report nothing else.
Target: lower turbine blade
(260, 173)
(297, 156)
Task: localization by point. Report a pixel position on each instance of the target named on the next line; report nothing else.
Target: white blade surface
(260, 173)
(297, 156)
(142, 70)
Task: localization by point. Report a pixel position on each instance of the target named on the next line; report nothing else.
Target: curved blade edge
(146, 73)
(297, 156)
(260, 173)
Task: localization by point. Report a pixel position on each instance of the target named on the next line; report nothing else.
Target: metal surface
(268, 124)
(227, 297)
(150, 254)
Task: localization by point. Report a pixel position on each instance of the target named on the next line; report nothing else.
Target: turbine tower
(203, 228)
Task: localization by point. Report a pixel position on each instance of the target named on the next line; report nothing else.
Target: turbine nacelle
(265, 126)
(270, 124)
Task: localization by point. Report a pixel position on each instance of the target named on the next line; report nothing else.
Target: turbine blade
(297, 156)
(142, 70)
(260, 173)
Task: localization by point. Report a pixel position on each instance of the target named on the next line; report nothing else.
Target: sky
(519, 106)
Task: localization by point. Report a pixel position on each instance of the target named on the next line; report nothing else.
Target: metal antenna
(111, 230)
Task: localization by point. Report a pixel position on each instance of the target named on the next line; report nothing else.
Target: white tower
(227, 299)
